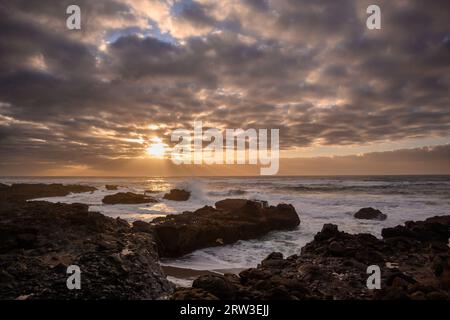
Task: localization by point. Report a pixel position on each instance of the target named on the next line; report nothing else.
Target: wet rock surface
(111, 187)
(235, 204)
(21, 191)
(208, 226)
(370, 214)
(432, 229)
(177, 195)
(39, 240)
(414, 262)
(128, 198)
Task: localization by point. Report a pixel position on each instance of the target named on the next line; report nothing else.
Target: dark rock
(278, 293)
(370, 214)
(111, 187)
(141, 226)
(217, 285)
(123, 223)
(22, 192)
(177, 195)
(235, 204)
(5, 277)
(274, 260)
(39, 240)
(183, 233)
(400, 279)
(230, 204)
(60, 268)
(328, 231)
(336, 248)
(128, 198)
(253, 274)
(432, 229)
(274, 256)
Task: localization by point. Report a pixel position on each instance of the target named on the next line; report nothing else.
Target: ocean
(318, 200)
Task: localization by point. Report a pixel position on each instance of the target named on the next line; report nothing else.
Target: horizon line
(231, 176)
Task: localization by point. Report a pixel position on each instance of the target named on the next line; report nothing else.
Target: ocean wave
(225, 193)
(424, 188)
(195, 186)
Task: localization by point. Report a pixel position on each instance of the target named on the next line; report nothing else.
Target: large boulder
(39, 240)
(370, 214)
(177, 195)
(128, 198)
(183, 233)
(22, 191)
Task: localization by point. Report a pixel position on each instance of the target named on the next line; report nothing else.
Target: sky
(346, 99)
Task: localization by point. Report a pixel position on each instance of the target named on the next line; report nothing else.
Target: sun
(156, 150)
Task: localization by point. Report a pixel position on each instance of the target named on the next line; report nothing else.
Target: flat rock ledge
(177, 195)
(39, 240)
(414, 262)
(230, 221)
(22, 191)
(128, 198)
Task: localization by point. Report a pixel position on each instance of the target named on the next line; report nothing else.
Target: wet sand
(184, 276)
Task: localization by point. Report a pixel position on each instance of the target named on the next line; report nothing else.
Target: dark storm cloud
(310, 68)
(153, 59)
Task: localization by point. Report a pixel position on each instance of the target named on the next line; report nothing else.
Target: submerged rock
(183, 233)
(22, 191)
(334, 266)
(128, 198)
(39, 240)
(370, 214)
(177, 195)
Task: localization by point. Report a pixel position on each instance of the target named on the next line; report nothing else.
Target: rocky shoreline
(414, 261)
(22, 192)
(118, 260)
(39, 240)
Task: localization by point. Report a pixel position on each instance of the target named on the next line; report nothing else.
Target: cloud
(310, 68)
(418, 161)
